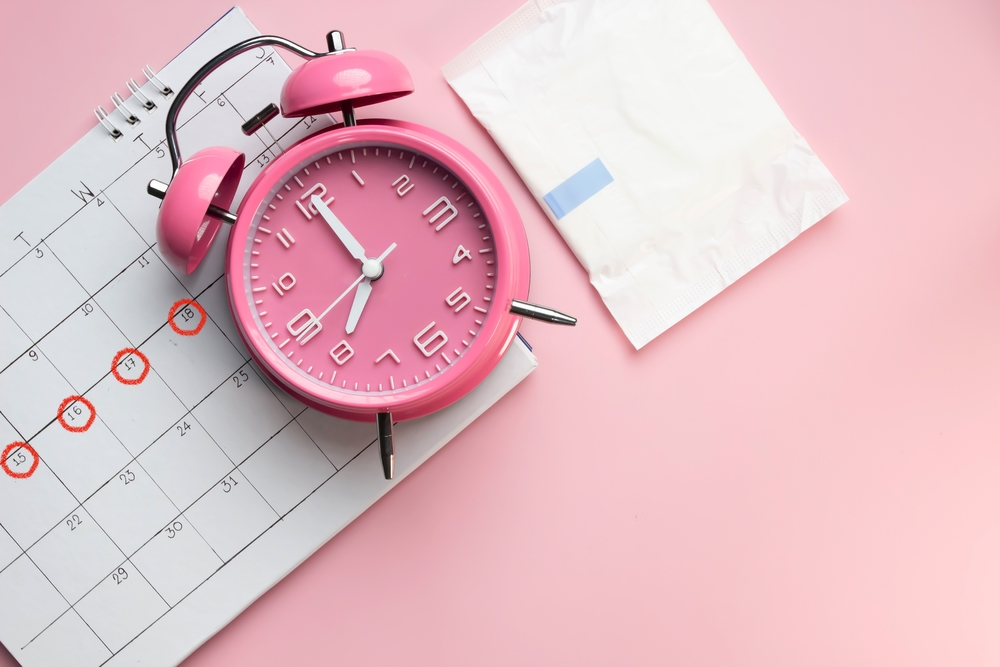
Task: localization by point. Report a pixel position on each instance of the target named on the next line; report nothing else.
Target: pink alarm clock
(377, 271)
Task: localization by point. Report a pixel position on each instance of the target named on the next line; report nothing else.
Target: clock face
(405, 315)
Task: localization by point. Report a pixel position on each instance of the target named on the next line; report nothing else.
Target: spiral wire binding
(165, 90)
(119, 103)
(133, 88)
(104, 118)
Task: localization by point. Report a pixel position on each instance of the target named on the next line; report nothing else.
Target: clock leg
(383, 421)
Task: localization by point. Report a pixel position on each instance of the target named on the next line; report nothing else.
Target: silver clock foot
(536, 312)
(383, 421)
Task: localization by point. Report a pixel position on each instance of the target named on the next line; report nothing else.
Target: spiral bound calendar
(154, 482)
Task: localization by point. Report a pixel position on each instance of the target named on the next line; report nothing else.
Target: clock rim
(499, 327)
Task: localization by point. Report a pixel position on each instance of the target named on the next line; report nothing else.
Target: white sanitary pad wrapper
(651, 144)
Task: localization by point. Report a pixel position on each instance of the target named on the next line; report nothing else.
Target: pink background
(803, 472)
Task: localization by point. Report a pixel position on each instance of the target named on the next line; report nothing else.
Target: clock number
(309, 210)
(404, 185)
(447, 208)
(388, 353)
(285, 283)
(461, 253)
(461, 300)
(304, 326)
(285, 237)
(342, 352)
(437, 339)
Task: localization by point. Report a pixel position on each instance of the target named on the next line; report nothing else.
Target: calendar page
(154, 481)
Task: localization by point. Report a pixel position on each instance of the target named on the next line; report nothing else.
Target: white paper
(709, 177)
(196, 490)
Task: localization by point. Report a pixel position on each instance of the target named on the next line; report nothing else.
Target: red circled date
(69, 411)
(123, 358)
(11, 449)
(187, 309)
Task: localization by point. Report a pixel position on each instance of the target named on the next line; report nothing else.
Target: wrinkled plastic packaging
(651, 144)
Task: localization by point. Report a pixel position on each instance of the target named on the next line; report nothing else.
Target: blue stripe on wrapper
(578, 188)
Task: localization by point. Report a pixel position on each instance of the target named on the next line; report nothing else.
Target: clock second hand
(354, 284)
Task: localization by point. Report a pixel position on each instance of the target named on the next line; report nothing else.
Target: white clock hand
(339, 229)
(354, 284)
(360, 299)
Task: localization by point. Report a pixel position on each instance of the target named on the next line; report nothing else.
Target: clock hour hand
(371, 269)
(360, 299)
(339, 229)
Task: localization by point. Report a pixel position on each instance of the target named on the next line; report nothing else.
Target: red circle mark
(181, 304)
(28, 448)
(66, 403)
(121, 355)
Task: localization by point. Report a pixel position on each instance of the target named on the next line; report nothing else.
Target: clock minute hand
(339, 229)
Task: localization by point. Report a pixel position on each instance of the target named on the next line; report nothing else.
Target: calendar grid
(281, 518)
(226, 562)
(188, 414)
(134, 465)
